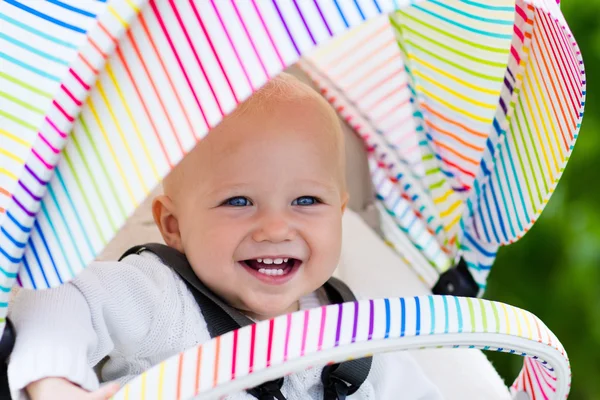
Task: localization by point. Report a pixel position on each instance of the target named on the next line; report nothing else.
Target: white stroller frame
(351, 330)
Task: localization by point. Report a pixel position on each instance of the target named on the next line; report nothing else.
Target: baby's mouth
(273, 266)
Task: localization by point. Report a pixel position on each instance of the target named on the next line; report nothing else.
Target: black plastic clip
(457, 281)
(6, 345)
(270, 390)
(335, 388)
(7, 342)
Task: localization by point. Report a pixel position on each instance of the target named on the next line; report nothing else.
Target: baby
(257, 210)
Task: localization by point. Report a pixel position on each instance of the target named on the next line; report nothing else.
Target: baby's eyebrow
(327, 186)
(232, 188)
(224, 188)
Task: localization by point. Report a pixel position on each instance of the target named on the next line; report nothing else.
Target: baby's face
(261, 210)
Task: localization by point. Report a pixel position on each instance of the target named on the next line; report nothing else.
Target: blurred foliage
(554, 271)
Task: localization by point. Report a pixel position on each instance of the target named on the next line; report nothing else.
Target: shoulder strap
(6, 345)
(220, 317)
(338, 292)
(339, 380)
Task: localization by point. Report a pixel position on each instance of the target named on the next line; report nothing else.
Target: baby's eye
(238, 201)
(306, 201)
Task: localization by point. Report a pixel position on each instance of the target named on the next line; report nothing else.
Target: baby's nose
(274, 228)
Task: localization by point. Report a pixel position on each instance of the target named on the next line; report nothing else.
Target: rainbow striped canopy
(469, 110)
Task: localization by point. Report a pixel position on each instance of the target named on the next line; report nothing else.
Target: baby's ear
(345, 199)
(163, 211)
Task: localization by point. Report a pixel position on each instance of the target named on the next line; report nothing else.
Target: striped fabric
(397, 185)
(38, 43)
(433, 136)
(532, 141)
(338, 332)
(57, 93)
(534, 131)
(362, 75)
(450, 77)
(469, 109)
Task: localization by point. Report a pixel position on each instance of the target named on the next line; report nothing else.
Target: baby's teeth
(259, 260)
(285, 259)
(278, 261)
(267, 261)
(271, 272)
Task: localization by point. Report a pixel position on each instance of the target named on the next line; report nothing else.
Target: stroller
(453, 140)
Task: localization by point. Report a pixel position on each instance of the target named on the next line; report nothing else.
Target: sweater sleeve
(54, 338)
(120, 311)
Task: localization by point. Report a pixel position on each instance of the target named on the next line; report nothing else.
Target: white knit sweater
(134, 314)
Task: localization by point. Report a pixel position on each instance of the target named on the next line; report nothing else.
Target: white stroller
(460, 117)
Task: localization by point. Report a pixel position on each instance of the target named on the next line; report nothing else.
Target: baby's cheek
(327, 241)
(215, 240)
(209, 252)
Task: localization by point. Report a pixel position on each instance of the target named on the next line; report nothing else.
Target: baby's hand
(59, 388)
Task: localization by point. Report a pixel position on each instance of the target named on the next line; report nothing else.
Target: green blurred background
(554, 270)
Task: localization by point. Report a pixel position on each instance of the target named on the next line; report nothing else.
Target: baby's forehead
(293, 101)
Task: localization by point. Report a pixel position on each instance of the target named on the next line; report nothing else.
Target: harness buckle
(335, 388)
(268, 391)
(457, 281)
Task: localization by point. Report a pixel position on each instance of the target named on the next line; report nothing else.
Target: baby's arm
(55, 338)
(137, 312)
(59, 388)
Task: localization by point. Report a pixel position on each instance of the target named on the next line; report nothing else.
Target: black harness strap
(339, 380)
(6, 345)
(220, 317)
(344, 379)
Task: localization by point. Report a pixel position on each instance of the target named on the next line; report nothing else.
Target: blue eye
(239, 201)
(305, 201)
